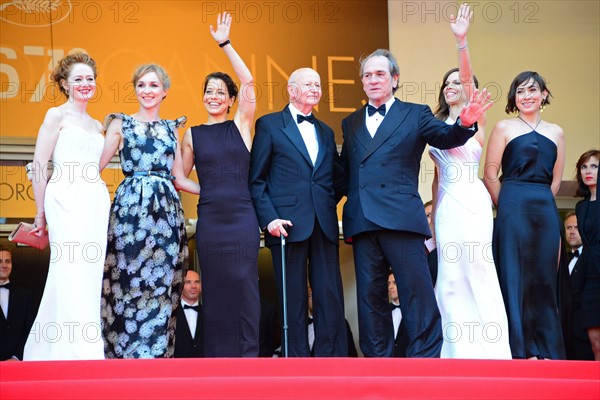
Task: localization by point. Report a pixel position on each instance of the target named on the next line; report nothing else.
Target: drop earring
(543, 105)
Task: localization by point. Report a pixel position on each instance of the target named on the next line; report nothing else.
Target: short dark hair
(5, 248)
(570, 214)
(582, 189)
(524, 77)
(231, 86)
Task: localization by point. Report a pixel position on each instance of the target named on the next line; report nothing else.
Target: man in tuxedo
(293, 163)
(577, 341)
(430, 244)
(383, 215)
(17, 312)
(399, 331)
(189, 330)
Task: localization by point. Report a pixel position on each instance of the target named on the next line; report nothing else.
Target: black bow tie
(372, 110)
(574, 253)
(394, 306)
(195, 308)
(308, 118)
(310, 321)
(5, 286)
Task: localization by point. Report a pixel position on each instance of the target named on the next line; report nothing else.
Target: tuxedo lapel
(291, 131)
(359, 126)
(199, 327)
(394, 117)
(185, 325)
(322, 143)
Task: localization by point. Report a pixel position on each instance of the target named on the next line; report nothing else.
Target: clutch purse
(21, 235)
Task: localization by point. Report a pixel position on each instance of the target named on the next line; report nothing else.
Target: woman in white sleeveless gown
(75, 203)
(474, 320)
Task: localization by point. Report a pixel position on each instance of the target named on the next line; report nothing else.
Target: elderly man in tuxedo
(293, 169)
(189, 329)
(384, 216)
(17, 311)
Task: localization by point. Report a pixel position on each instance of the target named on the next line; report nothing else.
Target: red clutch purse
(21, 235)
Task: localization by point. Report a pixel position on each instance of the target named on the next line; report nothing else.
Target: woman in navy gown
(227, 232)
(530, 152)
(588, 221)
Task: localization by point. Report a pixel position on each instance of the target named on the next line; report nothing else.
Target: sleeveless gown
(526, 247)
(67, 326)
(147, 245)
(467, 290)
(227, 238)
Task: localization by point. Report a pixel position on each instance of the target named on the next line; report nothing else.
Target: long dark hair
(583, 190)
(442, 110)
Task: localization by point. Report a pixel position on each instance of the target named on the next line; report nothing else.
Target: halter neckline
(527, 123)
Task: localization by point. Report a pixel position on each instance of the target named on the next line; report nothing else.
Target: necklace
(526, 123)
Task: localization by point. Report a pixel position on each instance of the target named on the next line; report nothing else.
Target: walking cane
(284, 294)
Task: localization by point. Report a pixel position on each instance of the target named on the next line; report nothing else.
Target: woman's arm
(181, 181)
(187, 152)
(493, 160)
(44, 147)
(459, 27)
(244, 117)
(112, 141)
(559, 165)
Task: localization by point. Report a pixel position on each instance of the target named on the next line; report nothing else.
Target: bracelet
(462, 47)
(225, 43)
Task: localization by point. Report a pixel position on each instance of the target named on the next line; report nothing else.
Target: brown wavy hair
(63, 68)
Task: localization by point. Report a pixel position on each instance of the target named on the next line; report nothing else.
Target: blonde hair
(143, 69)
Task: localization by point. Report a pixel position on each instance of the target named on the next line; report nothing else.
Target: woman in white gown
(75, 203)
(474, 320)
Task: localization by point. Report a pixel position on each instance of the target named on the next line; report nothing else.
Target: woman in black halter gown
(530, 153)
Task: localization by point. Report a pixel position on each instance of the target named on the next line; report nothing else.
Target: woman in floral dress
(146, 234)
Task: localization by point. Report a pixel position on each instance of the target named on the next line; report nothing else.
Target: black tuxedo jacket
(383, 171)
(185, 346)
(15, 329)
(401, 339)
(285, 184)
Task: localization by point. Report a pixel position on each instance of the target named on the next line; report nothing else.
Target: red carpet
(300, 378)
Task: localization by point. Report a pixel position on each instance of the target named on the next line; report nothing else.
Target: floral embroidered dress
(146, 245)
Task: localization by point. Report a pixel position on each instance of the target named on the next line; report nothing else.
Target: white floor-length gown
(67, 326)
(474, 320)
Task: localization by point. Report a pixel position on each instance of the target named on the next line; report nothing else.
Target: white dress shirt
(191, 316)
(308, 132)
(311, 334)
(376, 119)
(574, 260)
(397, 318)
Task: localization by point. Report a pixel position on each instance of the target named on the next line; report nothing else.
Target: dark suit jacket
(185, 346)
(383, 172)
(15, 329)
(283, 182)
(590, 256)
